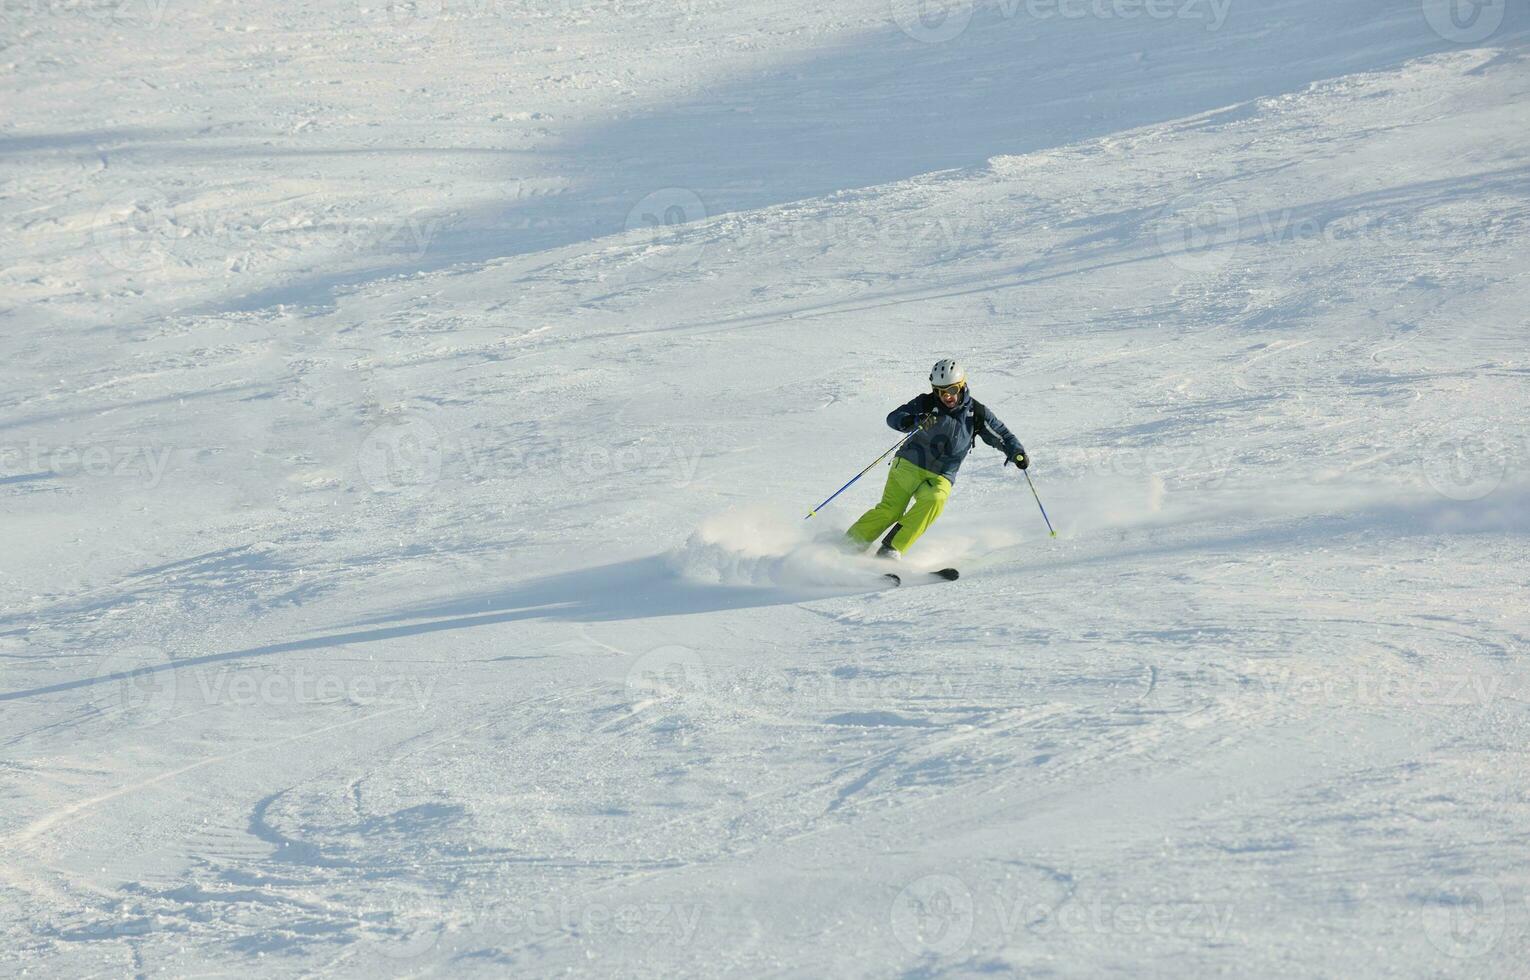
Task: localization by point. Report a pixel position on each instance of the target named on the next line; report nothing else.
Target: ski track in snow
(406, 571)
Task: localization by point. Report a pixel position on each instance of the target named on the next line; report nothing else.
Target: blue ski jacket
(949, 433)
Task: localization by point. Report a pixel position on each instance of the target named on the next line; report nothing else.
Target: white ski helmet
(947, 372)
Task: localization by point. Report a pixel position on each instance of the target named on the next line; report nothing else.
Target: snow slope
(409, 412)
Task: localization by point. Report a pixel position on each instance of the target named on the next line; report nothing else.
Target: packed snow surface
(409, 411)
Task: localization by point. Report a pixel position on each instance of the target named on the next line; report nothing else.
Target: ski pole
(1038, 502)
(861, 474)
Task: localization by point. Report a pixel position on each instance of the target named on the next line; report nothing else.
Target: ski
(944, 574)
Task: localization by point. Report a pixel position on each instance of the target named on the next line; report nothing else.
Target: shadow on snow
(633, 589)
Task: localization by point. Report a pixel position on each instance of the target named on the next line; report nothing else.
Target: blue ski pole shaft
(1038, 502)
(860, 474)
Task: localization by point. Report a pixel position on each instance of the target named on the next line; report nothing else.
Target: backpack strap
(979, 419)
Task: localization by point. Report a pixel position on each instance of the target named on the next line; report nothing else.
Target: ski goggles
(952, 390)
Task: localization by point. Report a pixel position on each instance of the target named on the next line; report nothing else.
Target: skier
(947, 421)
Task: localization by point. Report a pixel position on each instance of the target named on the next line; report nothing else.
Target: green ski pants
(905, 482)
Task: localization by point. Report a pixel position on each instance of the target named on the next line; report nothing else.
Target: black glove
(928, 419)
(1022, 460)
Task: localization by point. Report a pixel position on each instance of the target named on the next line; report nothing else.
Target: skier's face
(949, 396)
